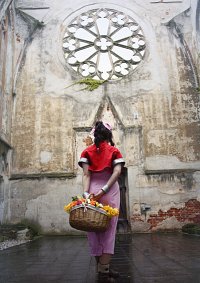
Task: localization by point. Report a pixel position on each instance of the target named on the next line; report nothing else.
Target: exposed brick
(137, 217)
(190, 213)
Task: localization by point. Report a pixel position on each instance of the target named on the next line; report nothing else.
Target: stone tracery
(103, 44)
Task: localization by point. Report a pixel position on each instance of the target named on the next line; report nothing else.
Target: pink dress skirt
(104, 242)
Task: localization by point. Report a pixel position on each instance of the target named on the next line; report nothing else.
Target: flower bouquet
(89, 215)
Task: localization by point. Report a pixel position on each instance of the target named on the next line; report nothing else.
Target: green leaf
(91, 84)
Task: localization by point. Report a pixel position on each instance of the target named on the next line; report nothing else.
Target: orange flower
(93, 202)
(79, 200)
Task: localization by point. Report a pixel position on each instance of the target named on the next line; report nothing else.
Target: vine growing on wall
(91, 84)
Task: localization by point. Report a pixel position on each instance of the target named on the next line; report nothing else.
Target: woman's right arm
(86, 177)
(113, 178)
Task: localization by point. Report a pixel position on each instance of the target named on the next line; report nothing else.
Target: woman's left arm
(113, 178)
(86, 177)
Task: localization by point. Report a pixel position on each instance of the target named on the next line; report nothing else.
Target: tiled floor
(140, 258)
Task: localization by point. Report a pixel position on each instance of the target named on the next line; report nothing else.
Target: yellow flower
(115, 211)
(67, 207)
(78, 200)
(111, 211)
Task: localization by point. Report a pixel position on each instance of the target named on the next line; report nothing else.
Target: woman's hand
(98, 195)
(86, 195)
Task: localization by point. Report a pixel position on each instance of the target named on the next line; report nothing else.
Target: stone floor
(141, 258)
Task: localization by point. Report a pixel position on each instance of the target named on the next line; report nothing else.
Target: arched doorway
(123, 221)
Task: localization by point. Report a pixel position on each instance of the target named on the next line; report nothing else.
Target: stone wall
(7, 73)
(154, 111)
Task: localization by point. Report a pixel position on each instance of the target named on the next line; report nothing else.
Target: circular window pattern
(103, 44)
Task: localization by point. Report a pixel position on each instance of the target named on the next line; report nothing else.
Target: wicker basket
(88, 218)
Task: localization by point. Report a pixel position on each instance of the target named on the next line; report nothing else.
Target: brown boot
(113, 273)
(105, 278)
(104, 275)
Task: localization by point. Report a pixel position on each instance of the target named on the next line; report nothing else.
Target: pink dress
(101, 162)
(104, 242)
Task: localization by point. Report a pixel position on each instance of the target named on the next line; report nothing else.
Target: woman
(102, 163)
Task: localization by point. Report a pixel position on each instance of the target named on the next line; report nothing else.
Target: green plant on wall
(91, 84)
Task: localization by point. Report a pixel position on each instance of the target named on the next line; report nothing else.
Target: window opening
(104, 44)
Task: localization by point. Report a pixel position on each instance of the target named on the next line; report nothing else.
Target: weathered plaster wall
(6, 72)
(155, 113)
(7, 44)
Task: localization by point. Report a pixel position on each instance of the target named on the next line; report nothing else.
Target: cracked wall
(154, 111)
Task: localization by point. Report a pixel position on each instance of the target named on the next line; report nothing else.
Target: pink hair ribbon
(106, 125)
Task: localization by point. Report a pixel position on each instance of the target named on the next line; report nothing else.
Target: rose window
(103, 44)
